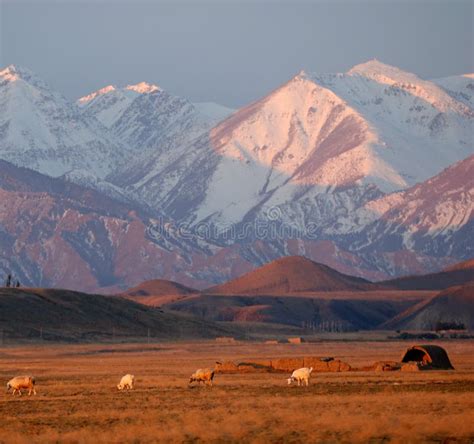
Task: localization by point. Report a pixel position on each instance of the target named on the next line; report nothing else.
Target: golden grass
(77, 400)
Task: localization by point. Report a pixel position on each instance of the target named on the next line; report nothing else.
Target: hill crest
(291, 274)
(454, 275)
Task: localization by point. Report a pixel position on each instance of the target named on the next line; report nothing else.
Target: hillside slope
(157, 292)
(435, 217)
(459, 274)
(291, 275)
(453, 305)
(56, 233)
(29, 313)
(323, 312)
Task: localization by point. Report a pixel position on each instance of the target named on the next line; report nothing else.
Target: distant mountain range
(370, 172)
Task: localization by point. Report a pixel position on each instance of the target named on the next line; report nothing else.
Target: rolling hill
(291, 275)
(454, 305)
(63, 315)
(299, 292)
(157, 292)
(324, 312)
(458, 274)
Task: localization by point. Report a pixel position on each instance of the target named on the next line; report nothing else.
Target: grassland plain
(78, 401)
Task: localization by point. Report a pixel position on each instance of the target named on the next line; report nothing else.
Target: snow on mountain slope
(160, 121)
(435, 217)
(460, 88)
(56, 233)
(40, 129)
(109, 103)
(254, 152)
(149, 119)
(421, 129)
(318, 148)
(351, 163)
(88, 180)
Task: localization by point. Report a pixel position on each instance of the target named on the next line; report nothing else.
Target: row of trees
(9, 282)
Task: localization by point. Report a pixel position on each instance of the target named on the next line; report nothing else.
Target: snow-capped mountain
(368, 171)
(40, 129)
(317, 148)
(109, 103)
(152, 122)
(435, 217)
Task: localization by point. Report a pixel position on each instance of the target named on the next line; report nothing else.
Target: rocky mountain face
(434, 217)
(56, 233)
(368, 171)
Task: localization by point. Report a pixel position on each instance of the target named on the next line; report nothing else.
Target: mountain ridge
(42, 130)
(341, 168)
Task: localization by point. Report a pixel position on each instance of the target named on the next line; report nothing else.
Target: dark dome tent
(428, 356)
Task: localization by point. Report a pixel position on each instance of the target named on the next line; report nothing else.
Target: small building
(428, 357)
(295, 340)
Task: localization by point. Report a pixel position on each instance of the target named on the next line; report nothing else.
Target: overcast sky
(228, 51)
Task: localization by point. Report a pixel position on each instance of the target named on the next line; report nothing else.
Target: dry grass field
(77, 399)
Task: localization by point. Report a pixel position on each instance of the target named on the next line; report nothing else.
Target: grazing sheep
(22, 382)
(205, 375)
(301, 375)
(126, 382)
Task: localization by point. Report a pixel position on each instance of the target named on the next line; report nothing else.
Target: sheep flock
(127, 382)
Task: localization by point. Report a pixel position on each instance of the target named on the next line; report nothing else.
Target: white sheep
(205, 375)
(22, 382)
(126, 382)
(301, 375)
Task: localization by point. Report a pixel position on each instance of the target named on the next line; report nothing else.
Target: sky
(228, 51)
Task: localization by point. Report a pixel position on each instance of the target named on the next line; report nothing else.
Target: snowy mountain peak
(13, 73)
(382, 73)
(129, 91)
(143, 88)
(301, 75)
(92, 96)
(407, 83)
(44, 131)
(9, 73)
